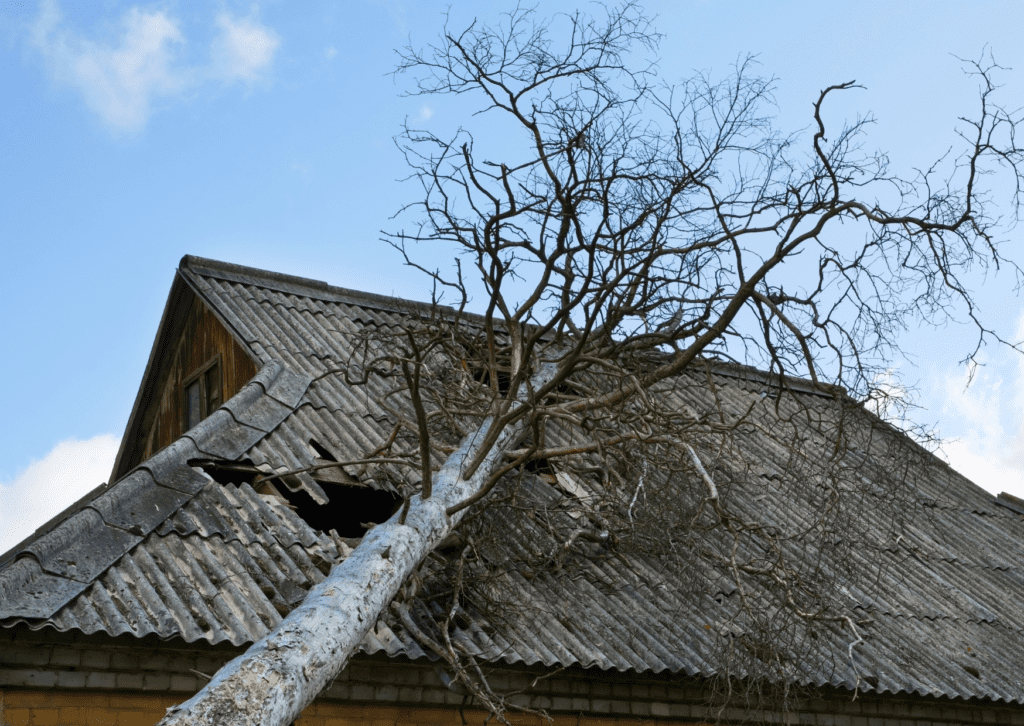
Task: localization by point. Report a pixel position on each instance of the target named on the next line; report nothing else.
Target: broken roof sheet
(168, 551)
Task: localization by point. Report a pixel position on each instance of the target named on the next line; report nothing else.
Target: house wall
(203, 337)
(20, 707)
(34, 708)
(71, 679)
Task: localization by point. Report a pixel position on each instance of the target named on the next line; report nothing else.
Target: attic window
(202, 393)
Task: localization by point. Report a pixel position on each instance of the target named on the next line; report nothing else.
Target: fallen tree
(636, 231)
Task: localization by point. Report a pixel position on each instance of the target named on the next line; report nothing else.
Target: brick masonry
(71, 679)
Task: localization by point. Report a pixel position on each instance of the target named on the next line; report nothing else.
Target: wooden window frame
(199, 375)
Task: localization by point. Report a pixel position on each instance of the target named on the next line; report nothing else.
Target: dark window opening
(193, 404)
(203, 394)
(213, 389)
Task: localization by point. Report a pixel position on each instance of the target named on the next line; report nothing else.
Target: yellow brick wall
(79, 708)
(343, 714)
(71, 708)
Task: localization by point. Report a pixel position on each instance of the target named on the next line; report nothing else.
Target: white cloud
(992, 474)
(45, 487)
(426, 112)
(118, 80)
(330, 51)
(122, 77)
(243, 50)
(987, 421)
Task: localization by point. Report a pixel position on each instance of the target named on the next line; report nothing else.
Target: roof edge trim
(296, 285)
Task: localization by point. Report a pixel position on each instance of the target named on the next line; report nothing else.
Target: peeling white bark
(272, 682)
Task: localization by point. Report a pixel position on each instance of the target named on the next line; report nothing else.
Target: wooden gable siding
(203, 338)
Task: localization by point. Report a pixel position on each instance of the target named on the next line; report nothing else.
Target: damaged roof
(169, 550)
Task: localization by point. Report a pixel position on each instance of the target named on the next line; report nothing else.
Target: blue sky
(261, 133)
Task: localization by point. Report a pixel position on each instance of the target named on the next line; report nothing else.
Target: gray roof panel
(265, 414)
(220, 436)
(170, 468)
(138, 504)
(28, 592)
(289, 387)
(81, 547)
(225, 562)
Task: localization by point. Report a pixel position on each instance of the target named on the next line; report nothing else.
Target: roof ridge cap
(299, 285)
(212, 267)
(323, 290)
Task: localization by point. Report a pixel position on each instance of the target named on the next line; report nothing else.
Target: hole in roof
(483, 377)
(227, 472)
(349, 507)
(542, 468)
(321, 451)
(972, 670)
(329, 474)
(563, 391)
(349, 511)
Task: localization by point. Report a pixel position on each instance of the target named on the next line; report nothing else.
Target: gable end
(192, 347)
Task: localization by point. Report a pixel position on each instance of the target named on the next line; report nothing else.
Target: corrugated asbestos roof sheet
(169, 551)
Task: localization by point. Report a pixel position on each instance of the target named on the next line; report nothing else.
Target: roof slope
(169, 551)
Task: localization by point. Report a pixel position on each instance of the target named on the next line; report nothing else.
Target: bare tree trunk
(272, 682)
